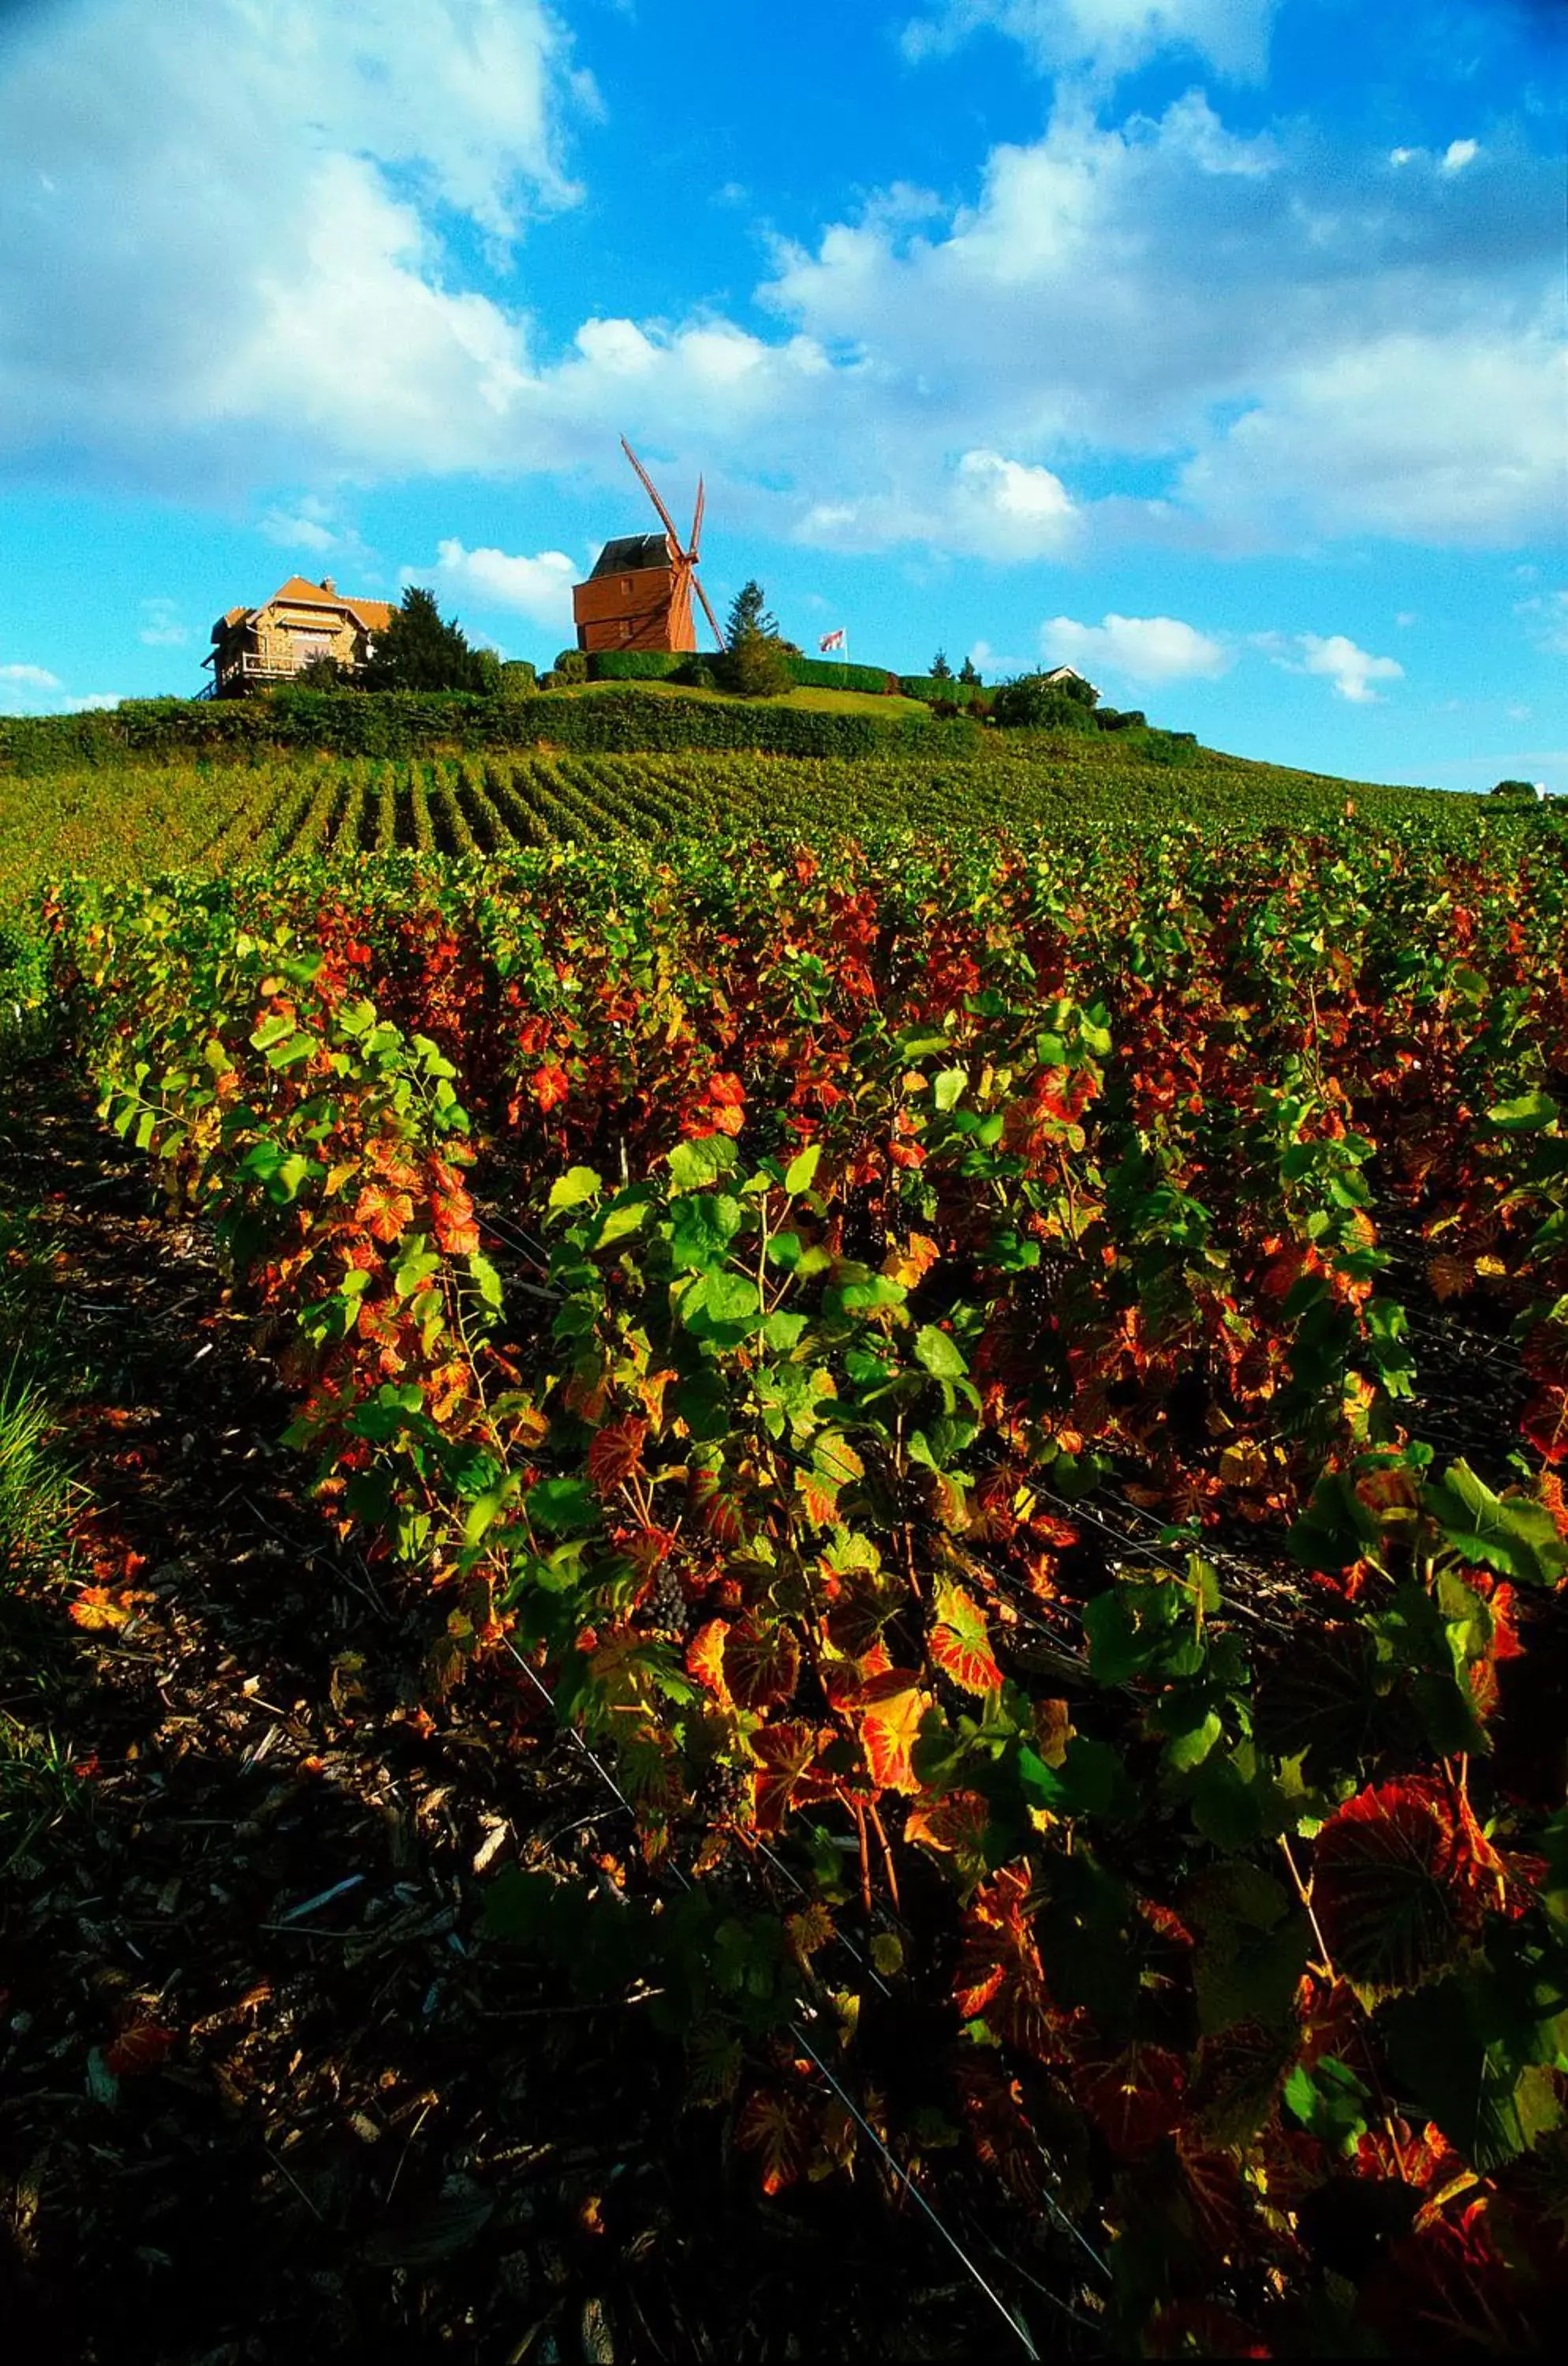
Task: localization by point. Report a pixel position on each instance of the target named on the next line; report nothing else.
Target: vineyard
(974, 1349)
(214, 813)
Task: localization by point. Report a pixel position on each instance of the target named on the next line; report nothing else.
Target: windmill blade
(697, 522)
(707, 612)
(653, 496)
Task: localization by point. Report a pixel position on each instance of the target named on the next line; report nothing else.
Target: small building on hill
(254, 648)
(638, 597)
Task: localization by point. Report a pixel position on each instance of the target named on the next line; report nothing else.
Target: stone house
(255, 647)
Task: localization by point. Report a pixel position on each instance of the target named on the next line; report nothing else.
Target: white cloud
(29, 677)
(539, 589)
(213, 271)
(1335, 658)
(1550, 621)
(242, 281)
(298, 530)
(1313, 350)
(1451, 435)
(161, 628)
(1458, 154)
(1026, 509)
(1109, 36)
(1143, 649)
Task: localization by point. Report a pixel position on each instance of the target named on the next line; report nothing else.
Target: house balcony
(248, 668)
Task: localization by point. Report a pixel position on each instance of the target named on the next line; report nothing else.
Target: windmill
(639, 594)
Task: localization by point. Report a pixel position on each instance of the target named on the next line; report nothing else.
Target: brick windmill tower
(639, 594)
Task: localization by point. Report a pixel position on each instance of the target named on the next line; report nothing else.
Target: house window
(625, 587)
(626, 629)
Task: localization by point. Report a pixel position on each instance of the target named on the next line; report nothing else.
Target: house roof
(300, 593)
(631, 552)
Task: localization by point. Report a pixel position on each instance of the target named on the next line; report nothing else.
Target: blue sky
(1215, 347)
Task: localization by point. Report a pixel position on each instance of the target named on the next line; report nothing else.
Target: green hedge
(637, 665)
(395, 723)
(929, 690)
(817, 674)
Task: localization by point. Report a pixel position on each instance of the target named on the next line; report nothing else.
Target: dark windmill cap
(629, 553)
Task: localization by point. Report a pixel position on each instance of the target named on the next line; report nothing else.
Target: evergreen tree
(940, 669)
(969, 672)
(748, 616)
(419, 649)
(756, 660)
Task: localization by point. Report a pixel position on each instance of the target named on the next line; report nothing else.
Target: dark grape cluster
(723, 1792)
(666, 1605)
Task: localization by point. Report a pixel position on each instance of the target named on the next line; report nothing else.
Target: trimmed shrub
(755, 665)
(571, 665)
(518, 678)
(935, 689)
(636, 665)
(819, 673)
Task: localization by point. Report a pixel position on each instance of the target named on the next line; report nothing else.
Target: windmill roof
(629, 552)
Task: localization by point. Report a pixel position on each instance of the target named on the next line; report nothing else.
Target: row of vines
(1016, 1394)
(214, 814)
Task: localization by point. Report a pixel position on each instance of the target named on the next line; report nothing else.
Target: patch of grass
(40, 1787)
(35, 1487)
(821, 701)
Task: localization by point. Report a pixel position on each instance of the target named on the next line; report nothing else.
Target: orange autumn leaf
(452, 1222)
(549, 1085)
(961, 1643)
(890, 1710)
(705, 1658)
(96, 1607)
(910, 1265)
(384, 1213)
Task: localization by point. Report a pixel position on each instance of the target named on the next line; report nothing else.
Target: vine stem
(1303, 1891)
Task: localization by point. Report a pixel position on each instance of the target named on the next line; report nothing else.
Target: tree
(757, 666)
(969, 672)
(1515, 789)
(419, 649)
(749, 614)
(940, 669)
(1033, 703)
(756, 660)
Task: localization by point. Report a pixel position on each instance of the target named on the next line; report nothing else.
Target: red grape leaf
(786, 1755)
(1391, 1886)
(761, 1661)
(616, 1452)
(778, 2127)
